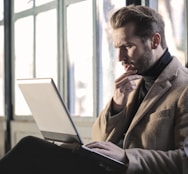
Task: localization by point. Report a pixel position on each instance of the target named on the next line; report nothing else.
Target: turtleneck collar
(154, 72)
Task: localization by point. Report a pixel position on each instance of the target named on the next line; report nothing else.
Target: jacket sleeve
(107, 127)
(156, 162)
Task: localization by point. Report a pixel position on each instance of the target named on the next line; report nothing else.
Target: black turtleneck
(150, 76)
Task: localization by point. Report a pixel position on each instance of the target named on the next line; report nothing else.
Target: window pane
(173, 13)
(23, 58)
(40, 2)
(109, 67)
(1, 71)
(20, 5)
(79, 38)
(1, 9)
(46, 44)
(24, 47)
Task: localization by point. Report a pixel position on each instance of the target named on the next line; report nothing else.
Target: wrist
(115, 108)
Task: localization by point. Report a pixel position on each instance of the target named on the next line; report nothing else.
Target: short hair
(146, 20)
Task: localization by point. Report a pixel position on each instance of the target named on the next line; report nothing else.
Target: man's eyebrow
(118, 45)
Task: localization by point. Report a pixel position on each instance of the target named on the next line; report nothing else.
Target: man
(145, 123)
(148, 120)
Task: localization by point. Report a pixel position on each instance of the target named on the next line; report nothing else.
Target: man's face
(132, 51)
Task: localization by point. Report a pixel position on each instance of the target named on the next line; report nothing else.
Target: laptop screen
(49, 110)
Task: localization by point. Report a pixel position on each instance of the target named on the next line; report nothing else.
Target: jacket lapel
(158, 89)
(150, 99)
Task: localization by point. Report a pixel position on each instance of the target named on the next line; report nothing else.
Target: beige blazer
(154, 138)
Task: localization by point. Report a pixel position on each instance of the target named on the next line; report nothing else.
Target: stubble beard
(145, 61)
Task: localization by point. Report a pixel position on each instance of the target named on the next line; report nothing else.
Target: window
(1, 10)
(35, 43)
(79, 27)
(173, 12)
(46, 44)
(23, 57)
(21, 5)
(40, 2)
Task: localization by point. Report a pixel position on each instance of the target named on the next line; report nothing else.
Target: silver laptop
(53, 119)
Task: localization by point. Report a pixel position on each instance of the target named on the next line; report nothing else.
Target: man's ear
(156, 40)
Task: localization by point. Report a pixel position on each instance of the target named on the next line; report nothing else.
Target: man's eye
(128, 46)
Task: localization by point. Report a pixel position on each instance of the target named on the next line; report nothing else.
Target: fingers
(126, 79)
(109, 149)
(124, 75)
(100, 145)
(122, 88)
(93, 144)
